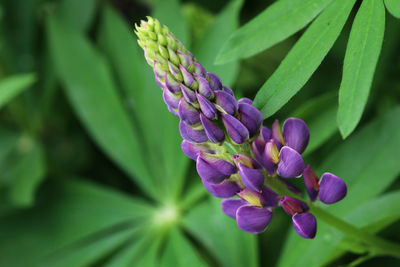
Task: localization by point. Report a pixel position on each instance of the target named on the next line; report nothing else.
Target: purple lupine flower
(213, 169)
(192, 150)
(251, 117)
(296, 134)
(225, 189)
(226, 102)
(331, 188)
(304, 223)
(311, 182)
(250, 172)
(210, 117)
(253, 211)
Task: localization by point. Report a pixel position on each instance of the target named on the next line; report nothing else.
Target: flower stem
(375, 244)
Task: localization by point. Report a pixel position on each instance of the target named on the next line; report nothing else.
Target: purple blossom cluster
(236, 157)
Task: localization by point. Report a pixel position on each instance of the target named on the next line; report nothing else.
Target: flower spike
(237, 158)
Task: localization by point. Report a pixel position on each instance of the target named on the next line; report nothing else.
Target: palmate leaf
(273, 25)
(89, 86)
(368, 162)
(69, 216)
(220, 235)
(393, 6)
(13, 85)
(361, 57)
(207, 47)
(179, 252)
(304, 58)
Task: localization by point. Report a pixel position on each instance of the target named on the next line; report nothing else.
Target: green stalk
(375, 244)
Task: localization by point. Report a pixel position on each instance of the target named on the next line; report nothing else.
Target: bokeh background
(91, 172)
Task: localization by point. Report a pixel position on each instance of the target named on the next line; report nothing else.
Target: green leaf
(137, 80)
(362, 54)
(142, 248)
(393, 6)
(89, 86)
(304, 58)
(11, 86)
(180, 252)
(318, 113)
(169, 13)
(207, 47)
(67, 212)
(23, 169)
(76, 13)
(368, 162)
(87, 253)
(276, 23)
(221, 236)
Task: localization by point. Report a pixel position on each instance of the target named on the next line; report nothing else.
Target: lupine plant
(274, 140)
(235, 155)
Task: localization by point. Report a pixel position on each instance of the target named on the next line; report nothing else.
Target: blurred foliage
(91, 171)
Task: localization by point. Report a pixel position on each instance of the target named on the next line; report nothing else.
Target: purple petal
(204, 88)
(305, 225)
(212, 169)
(296, 134)
(188, 113)
(171, 84)
(252, 197)
(269, 197)
(311, 182)
(251, 117)
(251, 178)
(258, 147)
(226, 101)
(228, 90)
(230, 206)
(223, 190)
(184, 59)
(199, 69)
(265, 133)
(236, 130)
(192, 135)
(207, 107)
(292, 205)
(171, 99)
(276, 134)
(253, 219)
(174, 71)
(291, 164)
(214, 133)
(173, 111)
(246, 161)
(215, 81)
(159, 81)
(193, 150)
(187, 77)
(158, 71)
(270, 157)
(188, 94)
(245, 100)
(331, 188)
